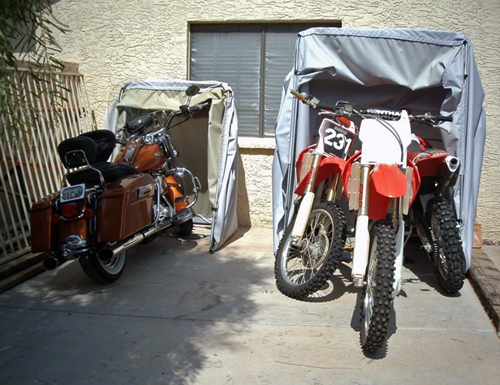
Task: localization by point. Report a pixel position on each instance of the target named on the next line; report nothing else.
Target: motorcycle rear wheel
(104, 272)
(377, 298)
(447, 250)
(303, 270)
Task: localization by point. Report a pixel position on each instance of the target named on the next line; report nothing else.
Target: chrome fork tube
(332, 188)
(306, 203)
(362, 235)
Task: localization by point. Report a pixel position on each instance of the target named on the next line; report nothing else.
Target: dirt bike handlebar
(392, 115)
(346, 109)
(313, 102)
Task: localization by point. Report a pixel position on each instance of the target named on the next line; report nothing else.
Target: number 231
(337, 140)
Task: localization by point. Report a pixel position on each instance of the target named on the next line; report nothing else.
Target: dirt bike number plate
(335, 140)
(72, 193)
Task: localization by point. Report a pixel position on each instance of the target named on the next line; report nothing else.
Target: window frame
(263, 29)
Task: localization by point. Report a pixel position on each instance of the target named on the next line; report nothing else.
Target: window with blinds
(254, 60)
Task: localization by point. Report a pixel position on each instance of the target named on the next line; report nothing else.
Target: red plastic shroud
(329, 165)
(427, 159)
(386, 182)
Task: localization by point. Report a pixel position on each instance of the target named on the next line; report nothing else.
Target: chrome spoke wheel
(304, 267)
(369, 298)
(303, 262)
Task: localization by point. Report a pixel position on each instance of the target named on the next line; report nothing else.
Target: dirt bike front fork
(362, 236)
(306, 203)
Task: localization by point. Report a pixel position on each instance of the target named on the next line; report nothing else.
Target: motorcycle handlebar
(311, 101)
(185, 110)
(346, 109)
(391, 115)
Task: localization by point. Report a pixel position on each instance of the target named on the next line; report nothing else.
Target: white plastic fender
(400, 241)
(361, 247)
(303, 214)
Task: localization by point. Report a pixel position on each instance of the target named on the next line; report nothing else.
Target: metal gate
(29, 165)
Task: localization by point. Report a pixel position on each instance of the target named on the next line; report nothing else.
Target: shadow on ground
(150, 326)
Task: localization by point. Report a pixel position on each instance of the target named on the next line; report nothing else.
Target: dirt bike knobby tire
(374, 329)
(330, 263)
(446, 243)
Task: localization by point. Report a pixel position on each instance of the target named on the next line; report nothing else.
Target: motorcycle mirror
(192, 90)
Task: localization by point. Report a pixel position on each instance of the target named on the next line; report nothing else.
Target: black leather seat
(92, 148)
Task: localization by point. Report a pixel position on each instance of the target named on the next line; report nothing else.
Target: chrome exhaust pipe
(448, 174)
(106, 253)
(51, 263)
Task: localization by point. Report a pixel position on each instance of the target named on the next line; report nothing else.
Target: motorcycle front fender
(328, 166)
(389, 181)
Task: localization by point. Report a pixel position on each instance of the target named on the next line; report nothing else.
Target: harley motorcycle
(108, 207)
(312, 244)
(432, 214)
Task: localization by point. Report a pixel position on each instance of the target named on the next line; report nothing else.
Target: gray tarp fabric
(419, 70)
(207, 144)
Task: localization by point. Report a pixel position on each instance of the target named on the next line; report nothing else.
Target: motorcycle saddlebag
(125, 207)
(41, 221)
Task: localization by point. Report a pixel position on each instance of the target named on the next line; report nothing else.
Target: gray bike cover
(419, 70)
(207, 143)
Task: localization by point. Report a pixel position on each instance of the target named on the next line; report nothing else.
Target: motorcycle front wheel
(104, 272)
(184, 229)
(377, 298)
(303, 269)
(447, 250)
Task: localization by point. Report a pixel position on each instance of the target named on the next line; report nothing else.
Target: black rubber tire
(184, 229)
(377, 300)
(447, 250)
(329, 247)
(103, 272)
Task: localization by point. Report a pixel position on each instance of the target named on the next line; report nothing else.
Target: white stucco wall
(122, 40)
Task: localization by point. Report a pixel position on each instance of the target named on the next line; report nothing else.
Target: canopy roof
(207, 143)
(419, 70)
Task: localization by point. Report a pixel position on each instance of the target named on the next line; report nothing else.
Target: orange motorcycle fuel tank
(145, 157)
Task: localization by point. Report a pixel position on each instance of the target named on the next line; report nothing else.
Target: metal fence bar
(29, 165)
(17, 200)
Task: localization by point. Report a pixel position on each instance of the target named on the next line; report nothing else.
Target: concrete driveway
(180, 315)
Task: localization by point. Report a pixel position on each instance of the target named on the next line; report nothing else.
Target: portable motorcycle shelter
(207, 143)
(419, 70)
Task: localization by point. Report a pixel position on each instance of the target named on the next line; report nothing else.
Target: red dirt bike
(109, 207)
(432, 214)
(381, 183)
(312, 244)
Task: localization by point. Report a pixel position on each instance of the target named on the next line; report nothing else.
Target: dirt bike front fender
(387, 182)
(329, 165)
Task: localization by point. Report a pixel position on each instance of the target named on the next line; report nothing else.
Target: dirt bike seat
(419, 149)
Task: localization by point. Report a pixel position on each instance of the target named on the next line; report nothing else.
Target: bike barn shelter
(207, 143)
(418, 70)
